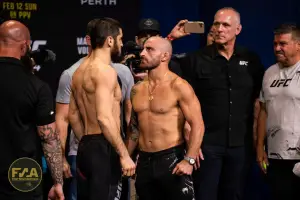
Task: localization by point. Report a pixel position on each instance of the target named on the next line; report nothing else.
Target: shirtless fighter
(161, 104)
(94, 115)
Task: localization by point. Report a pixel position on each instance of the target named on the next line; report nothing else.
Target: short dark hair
(90, 26)
(103, 28)
(286, 28)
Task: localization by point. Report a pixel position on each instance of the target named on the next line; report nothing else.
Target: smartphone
(194, 27)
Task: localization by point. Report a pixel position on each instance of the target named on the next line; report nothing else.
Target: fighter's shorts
(98, 169)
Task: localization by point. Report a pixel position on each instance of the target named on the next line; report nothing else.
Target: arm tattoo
(52, 151)
(133, 93)
(133, 127)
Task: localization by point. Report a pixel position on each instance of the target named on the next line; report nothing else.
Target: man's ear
(88, 40)
(238, 29)
(165, 57)
(23, 47)
(110, 41)
(298, 46)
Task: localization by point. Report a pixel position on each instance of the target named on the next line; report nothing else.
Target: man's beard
(116, 56)
(150, 66)
(26, 60)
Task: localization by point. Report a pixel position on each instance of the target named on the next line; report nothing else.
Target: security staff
(227, 80)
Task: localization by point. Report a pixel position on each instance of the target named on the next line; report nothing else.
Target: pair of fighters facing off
(162, 104)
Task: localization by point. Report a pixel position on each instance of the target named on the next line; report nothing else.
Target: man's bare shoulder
(78, 72)
(140, 84)
(182, 87)
(137, 88)
(102, 72)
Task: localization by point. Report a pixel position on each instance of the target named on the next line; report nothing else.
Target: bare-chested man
(95, 117)
(161, 104)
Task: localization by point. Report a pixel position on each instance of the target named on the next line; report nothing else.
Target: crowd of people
(183, 127)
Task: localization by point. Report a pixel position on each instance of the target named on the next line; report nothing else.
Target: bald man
(26, 117)
(161, 104)
(227, 79)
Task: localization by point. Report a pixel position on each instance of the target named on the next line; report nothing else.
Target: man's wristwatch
(190, 160)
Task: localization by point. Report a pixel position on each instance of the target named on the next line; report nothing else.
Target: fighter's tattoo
(52, 151)
(133, 127)
(132, 93)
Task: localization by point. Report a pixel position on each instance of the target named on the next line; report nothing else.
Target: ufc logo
(35, 44)
(281, 82)
(244, 63)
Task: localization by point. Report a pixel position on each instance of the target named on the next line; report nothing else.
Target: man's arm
(62, 123)
(52, 151)
(75, 118)
(261, 156)
(105, 84)
(132, 131)
(191, 109)
(128, 105)
(178, 31)
(261, 126)
(47, 131)
(256, 114)
(186, 132)
(62, 108)
(128, 110)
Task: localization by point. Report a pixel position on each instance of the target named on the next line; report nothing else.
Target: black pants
(220, 173)
(284, 185)
(247, 173)
(98, 169)
(155, 181)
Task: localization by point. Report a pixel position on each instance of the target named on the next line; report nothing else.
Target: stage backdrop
(61, 26)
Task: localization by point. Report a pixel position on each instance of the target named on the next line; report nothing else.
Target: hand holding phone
(194, 27)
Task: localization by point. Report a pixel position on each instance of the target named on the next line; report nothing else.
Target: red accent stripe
(81, 174)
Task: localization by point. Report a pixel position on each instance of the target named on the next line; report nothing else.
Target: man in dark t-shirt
(27, 122)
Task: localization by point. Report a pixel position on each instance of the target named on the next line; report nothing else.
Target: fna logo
(25, 174)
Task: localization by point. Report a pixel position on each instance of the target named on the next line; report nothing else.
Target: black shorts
(98, 169)
(154, 179)
(284, 184)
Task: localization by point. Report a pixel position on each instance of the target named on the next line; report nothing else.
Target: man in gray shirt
(278, 122)
(62, 109)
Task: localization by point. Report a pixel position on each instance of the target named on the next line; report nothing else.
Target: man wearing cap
(149, 27)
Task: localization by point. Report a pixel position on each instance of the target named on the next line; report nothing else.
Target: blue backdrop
(258, 20)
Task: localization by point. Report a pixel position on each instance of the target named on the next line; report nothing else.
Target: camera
(34, 59)
(42, 56)
(134, 62)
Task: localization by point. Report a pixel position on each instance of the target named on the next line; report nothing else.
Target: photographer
(147, 28)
